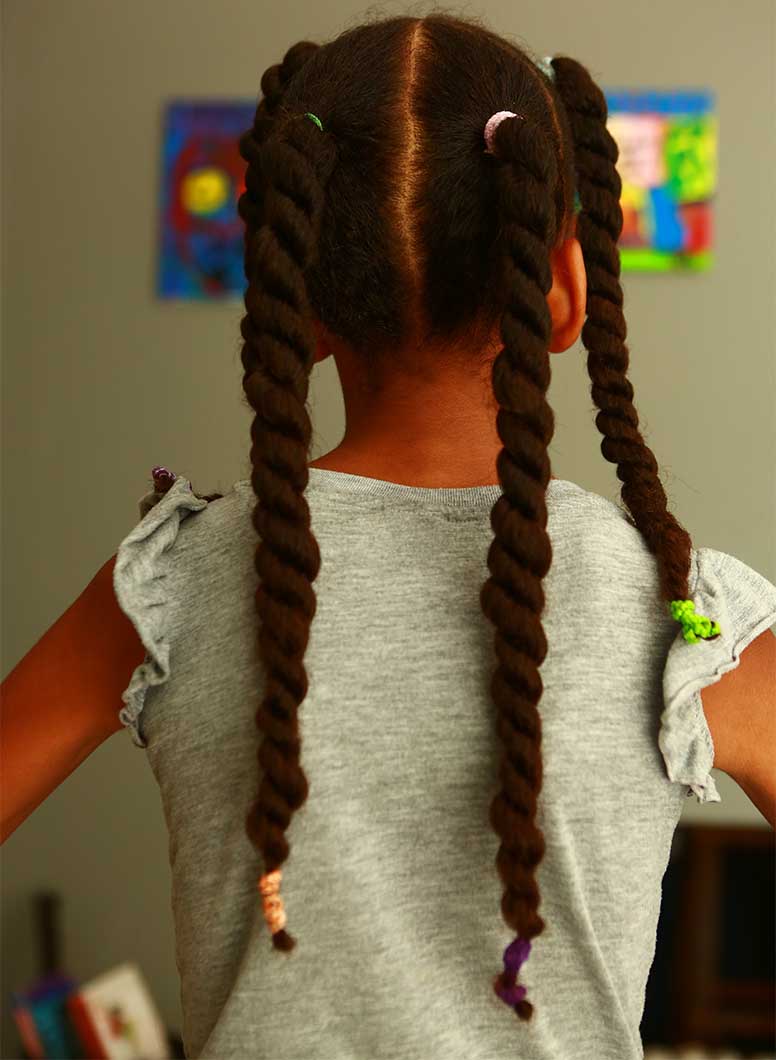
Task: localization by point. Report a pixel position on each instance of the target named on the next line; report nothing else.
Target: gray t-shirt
(391, 888)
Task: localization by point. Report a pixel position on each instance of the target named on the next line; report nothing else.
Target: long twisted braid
(521, 553)
(278, 355)
(605, 330)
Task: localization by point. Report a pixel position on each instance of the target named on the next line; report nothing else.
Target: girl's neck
(393, 466)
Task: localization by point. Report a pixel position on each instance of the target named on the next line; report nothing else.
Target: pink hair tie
(493, 123)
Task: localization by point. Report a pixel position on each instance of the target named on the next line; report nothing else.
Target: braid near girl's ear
(285, 183)
(274, 81)
(598, 229)
(512, 598)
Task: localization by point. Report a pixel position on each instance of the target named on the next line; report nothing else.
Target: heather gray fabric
(391, 889)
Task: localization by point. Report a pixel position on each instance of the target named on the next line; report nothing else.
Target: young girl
(470, 743)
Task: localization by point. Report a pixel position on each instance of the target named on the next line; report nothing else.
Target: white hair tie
(546, 65)
(493, 123)
(495, 120)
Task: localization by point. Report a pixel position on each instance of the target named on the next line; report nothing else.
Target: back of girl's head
(405, 247)
(372, 205)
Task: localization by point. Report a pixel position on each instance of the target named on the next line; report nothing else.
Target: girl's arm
(62, 700)
(740, 710)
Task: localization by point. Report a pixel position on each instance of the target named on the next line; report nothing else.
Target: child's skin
(412, 431)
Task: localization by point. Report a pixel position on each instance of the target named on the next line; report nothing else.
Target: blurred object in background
(712, 985)
(39, 1011)
(698, 1052)
(111, 1017)
(116, 1018)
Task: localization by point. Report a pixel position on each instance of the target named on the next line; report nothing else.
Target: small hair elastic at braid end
(274, 913)
(505, 985)
(314, 118)
(694, 627)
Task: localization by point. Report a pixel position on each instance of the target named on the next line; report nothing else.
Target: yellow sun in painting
(205, 190)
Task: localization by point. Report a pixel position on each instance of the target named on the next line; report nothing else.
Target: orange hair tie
(274, 913)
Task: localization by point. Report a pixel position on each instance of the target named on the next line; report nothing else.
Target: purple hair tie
(515, 955)
(163, 479)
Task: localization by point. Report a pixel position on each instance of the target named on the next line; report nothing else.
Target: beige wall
(101, 380)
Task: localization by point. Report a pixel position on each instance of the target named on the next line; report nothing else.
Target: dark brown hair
(392, 224)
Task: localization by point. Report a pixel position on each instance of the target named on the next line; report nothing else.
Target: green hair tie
(316, 120)
(694, 627)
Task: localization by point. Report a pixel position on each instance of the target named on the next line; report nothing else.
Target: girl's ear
(568, 297)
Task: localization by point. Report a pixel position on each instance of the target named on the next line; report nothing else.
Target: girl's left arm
(62, 700)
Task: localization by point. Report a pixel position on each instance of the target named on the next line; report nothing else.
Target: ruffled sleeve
(140, 588)
(743, 602)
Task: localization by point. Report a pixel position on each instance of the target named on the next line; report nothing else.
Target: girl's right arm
(62, 699)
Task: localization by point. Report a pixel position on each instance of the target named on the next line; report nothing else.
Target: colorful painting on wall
(667, 162)
(668, 166)
(201, 238)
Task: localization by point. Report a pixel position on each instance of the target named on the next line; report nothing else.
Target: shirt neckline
(364, 487)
